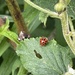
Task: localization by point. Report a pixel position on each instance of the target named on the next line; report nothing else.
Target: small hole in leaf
(37, 54)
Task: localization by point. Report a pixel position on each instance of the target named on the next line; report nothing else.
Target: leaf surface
(51, 59)
(8, 60)
(49, 4)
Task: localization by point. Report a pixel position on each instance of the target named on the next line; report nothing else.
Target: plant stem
(72, 31)
(66, 32)
(71, 25)
(17, 16)
(51, 13)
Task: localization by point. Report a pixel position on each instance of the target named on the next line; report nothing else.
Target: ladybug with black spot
(43, 41)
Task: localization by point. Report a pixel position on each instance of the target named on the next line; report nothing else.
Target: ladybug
(43, 41)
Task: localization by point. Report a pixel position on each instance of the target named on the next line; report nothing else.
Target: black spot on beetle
(37, 54)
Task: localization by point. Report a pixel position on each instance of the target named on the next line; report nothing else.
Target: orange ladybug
(43, 41)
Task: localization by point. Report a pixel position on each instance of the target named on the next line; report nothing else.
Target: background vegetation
(37, 18)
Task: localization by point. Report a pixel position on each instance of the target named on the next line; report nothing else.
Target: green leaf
(71, 9)
(15, 66)
(11, 35)
(51, 59)
(59, 35)
(31, 16)
(43, 18)
(46, 4)
(44, 31)
(2, 5)
(22, 71)
(18, 69)
(8, 60)
(4, 31)
(4, 45)
(49, 4)
(20, 2)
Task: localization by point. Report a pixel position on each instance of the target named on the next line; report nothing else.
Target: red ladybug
(43, 41)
